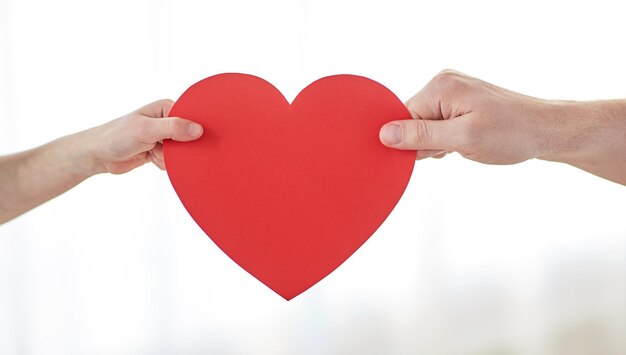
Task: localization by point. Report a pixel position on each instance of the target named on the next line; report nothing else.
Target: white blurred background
(475, 259)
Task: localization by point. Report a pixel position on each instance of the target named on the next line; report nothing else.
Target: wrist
(80, 149)
(567, 130)
(575, 132)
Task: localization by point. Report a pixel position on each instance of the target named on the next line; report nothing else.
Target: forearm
(31, 178)
(589, 135)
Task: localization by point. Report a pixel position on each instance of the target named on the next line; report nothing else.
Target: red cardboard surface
(288, 192)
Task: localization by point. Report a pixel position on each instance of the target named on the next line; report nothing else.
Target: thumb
(176, 128)
(418, 134)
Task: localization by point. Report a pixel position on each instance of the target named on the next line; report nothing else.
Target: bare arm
(492, 125)
(31, 178)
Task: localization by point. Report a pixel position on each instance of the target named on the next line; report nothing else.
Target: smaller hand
(130, 141)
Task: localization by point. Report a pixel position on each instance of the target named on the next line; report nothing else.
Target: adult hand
(489, 124)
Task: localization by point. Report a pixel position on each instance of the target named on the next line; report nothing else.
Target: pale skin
(31, 178)
(452, 113)
(486, 123)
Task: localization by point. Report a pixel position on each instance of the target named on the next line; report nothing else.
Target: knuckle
(449, 81)
(448, 72)
(421, 133)
(448, 77)
(164, 106)
(177, 127)
(165, 102)
(162, 103)
(173, 126)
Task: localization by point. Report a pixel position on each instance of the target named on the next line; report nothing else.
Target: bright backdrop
(475, 259)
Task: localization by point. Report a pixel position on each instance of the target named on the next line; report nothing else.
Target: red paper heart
(288, 192)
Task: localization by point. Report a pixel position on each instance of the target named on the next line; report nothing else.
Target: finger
(429, 153)
(423, 134)
(440, 155)
(422, 105)
(157, 151)
(157, 109)
(159, 162)
(178, 129)
(440, 98)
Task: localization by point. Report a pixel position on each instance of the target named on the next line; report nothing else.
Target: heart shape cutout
(288, 192)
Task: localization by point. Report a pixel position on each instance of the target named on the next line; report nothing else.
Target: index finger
(157, 109)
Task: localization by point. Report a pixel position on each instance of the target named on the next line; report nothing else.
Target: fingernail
(391, 134)
(195, 130)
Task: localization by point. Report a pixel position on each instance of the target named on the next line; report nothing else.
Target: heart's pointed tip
(288, 296)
